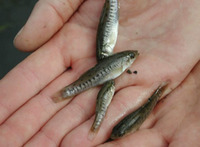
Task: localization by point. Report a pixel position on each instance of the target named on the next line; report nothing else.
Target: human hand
(28, 115)
(175, 120)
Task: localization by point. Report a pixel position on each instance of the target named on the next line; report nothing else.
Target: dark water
(13, 15)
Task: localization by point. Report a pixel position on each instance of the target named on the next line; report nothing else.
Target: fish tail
(94, 128)
(164, 85)
(57, 97)
(92, 133)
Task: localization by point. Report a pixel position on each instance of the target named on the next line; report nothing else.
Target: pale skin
(166, 33)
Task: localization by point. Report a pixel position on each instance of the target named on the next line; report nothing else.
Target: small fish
(108, 69)
(104, 98)
(133, 121)
(108, 29)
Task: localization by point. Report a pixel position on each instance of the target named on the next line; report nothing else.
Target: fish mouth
(136, 53)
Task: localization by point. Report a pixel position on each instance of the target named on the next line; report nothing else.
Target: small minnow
(133, 121)
(108, 69)
(104, 98)
(108, 29)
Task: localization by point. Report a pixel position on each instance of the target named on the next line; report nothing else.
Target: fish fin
(92, 133)
(57, 97)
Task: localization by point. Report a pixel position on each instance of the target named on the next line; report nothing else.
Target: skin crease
(167, 37)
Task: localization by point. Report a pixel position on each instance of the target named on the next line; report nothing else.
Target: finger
(29, 77)
(189, 128)
(80, 109)
(47, 18)
(23, 124)
(123, 103)
(144, 138)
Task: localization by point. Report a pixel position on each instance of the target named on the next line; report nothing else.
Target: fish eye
(131, 56)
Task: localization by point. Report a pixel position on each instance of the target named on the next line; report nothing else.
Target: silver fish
(108, 69)
(133, 121)
(103, 100)
(108, 29)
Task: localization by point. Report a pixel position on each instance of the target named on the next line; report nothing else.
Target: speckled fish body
(103, 100)
(109, 68)
(133, 121)
(108, 29)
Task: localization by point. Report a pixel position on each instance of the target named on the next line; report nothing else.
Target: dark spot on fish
(97, 75)
(90, 81)
(94, 78)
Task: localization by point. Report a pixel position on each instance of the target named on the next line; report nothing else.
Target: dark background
(13, 15)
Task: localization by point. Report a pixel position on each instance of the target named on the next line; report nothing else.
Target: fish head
(129, 57)
(118, 131)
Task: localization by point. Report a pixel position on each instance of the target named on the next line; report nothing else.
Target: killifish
(108, 29)
(108, 69)
(104, 98)
(134, 120)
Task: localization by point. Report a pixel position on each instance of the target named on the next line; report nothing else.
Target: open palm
(164, 32)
